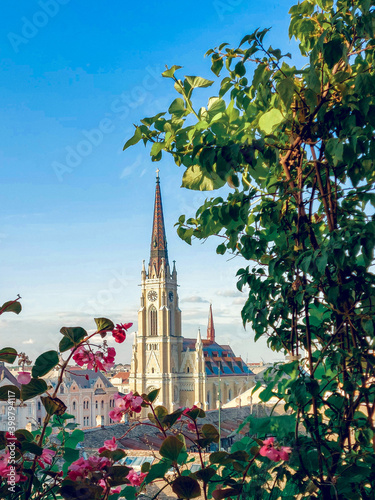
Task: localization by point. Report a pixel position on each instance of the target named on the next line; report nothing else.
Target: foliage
(296, 147)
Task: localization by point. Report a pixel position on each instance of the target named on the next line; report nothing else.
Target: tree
(296, 146)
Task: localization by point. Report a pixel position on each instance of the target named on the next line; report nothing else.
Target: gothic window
(153, 321)
(208, 399)
(74, 405)
(188, 369)
(152, 370)
(230, 395)
(96, 404)
(102, 404)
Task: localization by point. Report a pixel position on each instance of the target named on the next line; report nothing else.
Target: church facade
(187, 371)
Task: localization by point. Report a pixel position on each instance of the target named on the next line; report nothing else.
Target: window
(208, 399)
(61, 389)
(96, 404)
(39, 406)
(188, 369)
(74, 405)
(102, 404)
(152, 370)
(230, 395)
(153, 321)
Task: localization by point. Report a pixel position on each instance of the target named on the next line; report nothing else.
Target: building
(88, 395)
(187, 371)
(28, 415)
(121, 381)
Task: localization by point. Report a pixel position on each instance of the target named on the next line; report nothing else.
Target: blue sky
(76, 213)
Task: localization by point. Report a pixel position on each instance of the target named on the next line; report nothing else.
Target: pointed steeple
(210, 327)
(158, 238)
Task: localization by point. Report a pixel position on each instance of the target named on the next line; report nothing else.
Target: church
(188, 371)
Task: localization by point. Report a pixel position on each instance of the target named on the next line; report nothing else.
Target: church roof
(158, 239)
(216, 355)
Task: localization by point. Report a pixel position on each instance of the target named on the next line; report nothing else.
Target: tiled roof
(223, 355)
(6, 374)
(84, 378)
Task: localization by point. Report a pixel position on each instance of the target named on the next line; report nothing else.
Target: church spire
(210, 327)
(158, 239)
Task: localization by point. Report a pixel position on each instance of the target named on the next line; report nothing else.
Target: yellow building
(187, 371)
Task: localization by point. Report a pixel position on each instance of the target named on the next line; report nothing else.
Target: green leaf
(118, 474)
(31, 448)
(133, 140)
(44, 363)
(286, 90)
(197, 81)
(171, 448)
(209, 431)
(74, 333)
(157, 471)
(34, 388)
(65, 344)
(186, 487)
(177, 108)
(8, 355)
(199, 179)
(104, 324)
(53, 406)
(70, 455)
(205, 474)
(24, 435)
(268, 121)
(332, 52)
(9, 392)
(11, 306)
(151, 396)
(169, 73)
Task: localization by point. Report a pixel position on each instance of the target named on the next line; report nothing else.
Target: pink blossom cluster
(8, 471)
(99, 360)
(46, 458)
(136, 479)
(125, 404)
(191, 422)
(81, 468)
(119, 332)
(276, 454)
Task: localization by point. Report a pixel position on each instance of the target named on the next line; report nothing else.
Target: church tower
(158, 343)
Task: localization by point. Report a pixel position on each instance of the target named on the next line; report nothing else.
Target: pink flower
(116, 415)
(187, 410)
(112, 491)
(110, 445)
(99, 360)
(276, 454)
(81, 468)
(24, 378)
(46, 457)
(284, 452)
(119, 332)
(136, 479)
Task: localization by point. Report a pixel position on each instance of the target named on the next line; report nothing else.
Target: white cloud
(195, 298)
(30, 341)
(228, 293)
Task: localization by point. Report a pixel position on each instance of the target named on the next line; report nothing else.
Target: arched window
(74, 405)
(152, 370)
(230, 395)
(188, 369)
(96, 404)
(39, 406)
(153, 321)
(102, 404)
(208, 399)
